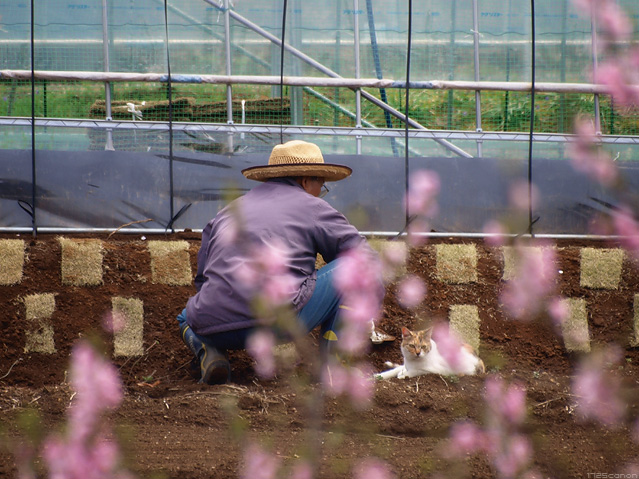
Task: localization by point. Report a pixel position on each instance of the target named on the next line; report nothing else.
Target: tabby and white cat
(422, 356)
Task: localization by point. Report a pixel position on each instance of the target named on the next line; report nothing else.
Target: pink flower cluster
(372, 468)
(260, 346)
(587, 155)
(627, 227)
(619, 72)
(421, 204)
(448, 345)
(87, 451)
(267, 274)
(358, 277)
(259, 463)
(509, 450)
(597, 389)
(525, 295)
(411, 291)
(354, 382)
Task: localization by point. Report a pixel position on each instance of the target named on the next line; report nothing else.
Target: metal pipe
(107, 85)
(331, 73)
(595, 65)
(370, 234)
(476, 68)
(358, 92)
(229, 87)
(352, 83)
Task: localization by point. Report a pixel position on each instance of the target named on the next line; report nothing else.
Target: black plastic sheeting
(108, 189)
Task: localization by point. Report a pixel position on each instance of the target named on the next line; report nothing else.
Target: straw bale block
(464, 321)
(38, 328)
(81, 263)
(170, 262)
(128, 340)
(601, 267)
(575, 326)
(513, 257)
(456, 263)
(634, 341)
(11, 261)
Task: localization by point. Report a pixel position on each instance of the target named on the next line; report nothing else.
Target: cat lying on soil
(422, 356)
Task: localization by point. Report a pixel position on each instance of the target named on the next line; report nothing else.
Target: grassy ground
(435, 109)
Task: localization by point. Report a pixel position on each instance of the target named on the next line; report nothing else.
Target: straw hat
(297, 158)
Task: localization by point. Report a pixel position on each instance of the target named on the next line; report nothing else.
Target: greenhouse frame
(139, 116)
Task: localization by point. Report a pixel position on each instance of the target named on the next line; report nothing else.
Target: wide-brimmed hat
(297, 158)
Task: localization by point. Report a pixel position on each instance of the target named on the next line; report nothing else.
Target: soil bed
(176, 428)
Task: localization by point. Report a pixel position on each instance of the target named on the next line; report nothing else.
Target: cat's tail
(391, 373)
(480, 367)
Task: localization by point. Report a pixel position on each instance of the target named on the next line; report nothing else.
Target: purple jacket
(276, 210)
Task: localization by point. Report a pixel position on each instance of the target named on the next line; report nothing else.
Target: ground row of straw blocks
(81, 264)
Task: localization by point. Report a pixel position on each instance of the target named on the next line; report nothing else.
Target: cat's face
(415, 343)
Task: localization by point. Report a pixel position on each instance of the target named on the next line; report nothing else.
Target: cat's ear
(428, 333)
(406, 333)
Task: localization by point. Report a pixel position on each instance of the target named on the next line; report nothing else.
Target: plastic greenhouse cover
(107, 189)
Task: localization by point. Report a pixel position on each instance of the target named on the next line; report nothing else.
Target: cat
(422, 356)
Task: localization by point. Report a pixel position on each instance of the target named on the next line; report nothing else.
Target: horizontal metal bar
(332, 82)
(310, 130)
(368, 234)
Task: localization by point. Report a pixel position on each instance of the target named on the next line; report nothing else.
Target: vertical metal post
(358, 92)
(229, 88)
(107, 85)
(477, 92)
(297, 93)
(595, 65)
(451, 71)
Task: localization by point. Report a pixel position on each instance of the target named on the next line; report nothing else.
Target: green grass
(434, 109)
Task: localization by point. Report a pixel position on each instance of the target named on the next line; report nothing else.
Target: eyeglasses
(324, 191)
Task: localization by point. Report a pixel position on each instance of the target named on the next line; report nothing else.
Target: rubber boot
(214, 367)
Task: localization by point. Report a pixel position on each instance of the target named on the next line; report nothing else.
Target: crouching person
(284, 213)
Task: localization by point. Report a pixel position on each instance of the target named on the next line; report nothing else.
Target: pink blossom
(423, 188)
(508, 403)
(613, 74)
(627, 227)
(113, 322)
(372, 468)
(354, 337)
(358, 279)
(266, 274)
(465, 438)
(86, 452)
(360, 387)
(421, 204)
(335, 378)
(523, 195)
(357, 272)
(495, 233)
(393, 256)
(587, 155)
(597, 390)
(448, 344)
(523, 295)
(259, 464)
(260, 346)
(514, 457)
(302, 470)
(355, 382)
(610, 17)
(558, 311)
(411, 291)
(94, 378)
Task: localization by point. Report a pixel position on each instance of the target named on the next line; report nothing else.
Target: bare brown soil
(174, 427)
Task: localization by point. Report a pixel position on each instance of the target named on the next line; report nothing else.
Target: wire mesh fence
(274, 69)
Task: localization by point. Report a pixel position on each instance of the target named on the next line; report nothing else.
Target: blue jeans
(320, 310)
